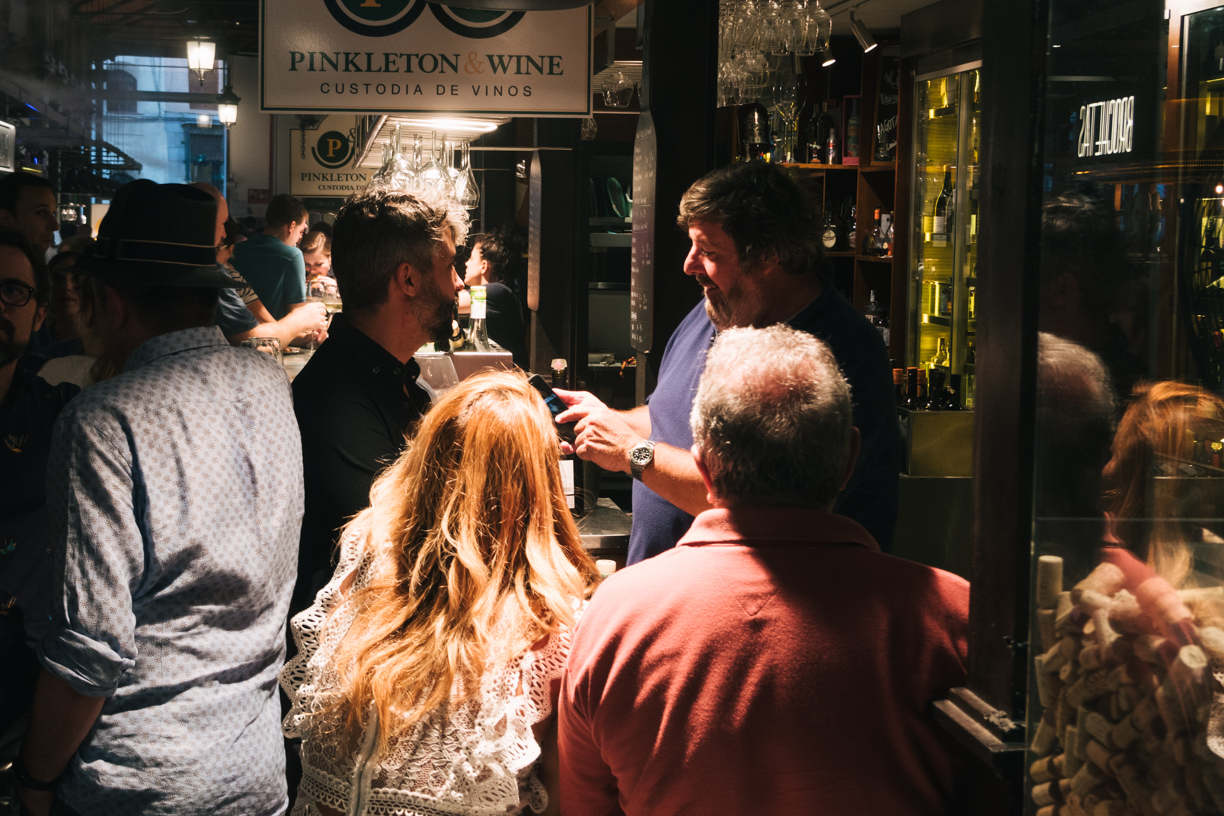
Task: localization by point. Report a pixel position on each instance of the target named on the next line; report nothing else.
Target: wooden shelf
(875, 258)
(879, 167)
(824, 166)
(839, 254)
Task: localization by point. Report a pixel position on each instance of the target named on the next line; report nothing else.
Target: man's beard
(736, 308)
(436, 312)
(10, 348)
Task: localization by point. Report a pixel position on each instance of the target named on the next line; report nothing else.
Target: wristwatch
(640, 456)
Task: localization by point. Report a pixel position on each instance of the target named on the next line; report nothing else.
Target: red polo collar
(761, 524)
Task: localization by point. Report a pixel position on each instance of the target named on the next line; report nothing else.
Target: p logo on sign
(375, 18)
(333, 149)
(381, 18)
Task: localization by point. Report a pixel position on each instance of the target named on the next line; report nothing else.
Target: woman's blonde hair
(1156, 437)
(481, 559)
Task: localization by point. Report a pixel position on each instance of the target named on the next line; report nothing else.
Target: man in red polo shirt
(775, 661)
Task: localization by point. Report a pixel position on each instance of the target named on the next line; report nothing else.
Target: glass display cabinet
(944, 220)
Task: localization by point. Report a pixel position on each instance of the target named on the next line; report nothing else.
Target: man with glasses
(28, 408)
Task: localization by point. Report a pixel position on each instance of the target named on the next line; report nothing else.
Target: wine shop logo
(375, 18)
(333, 149)
(477, 24)
(382, 18)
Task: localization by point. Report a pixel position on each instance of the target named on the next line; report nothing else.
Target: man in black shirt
(28, 408)
(392, 256)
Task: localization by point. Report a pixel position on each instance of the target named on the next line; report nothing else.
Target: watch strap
(25, 780)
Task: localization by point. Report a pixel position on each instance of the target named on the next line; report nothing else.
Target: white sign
(8, 147)
(400, 56)
(1107, 128)
(322, 162)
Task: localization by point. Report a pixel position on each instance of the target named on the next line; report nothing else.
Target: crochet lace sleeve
(542, 670)
(317, 631)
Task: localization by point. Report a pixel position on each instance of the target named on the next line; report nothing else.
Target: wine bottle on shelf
(876, 316)
(888, 237)
(832, 148)
(952, 394)
(911, 389)
(871, 244)
(828, 232)
(754, 132)
(821, 123)
(899, 386)
(940, 226)
(849, 229)
(924, 393)
(937, 374)
(852, 129)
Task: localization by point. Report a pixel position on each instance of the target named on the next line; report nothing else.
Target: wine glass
(435, 181)
(466, 191)
(787, 99)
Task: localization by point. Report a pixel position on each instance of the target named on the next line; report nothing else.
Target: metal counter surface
(606, 527)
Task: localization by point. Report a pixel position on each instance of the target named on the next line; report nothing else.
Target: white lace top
(472, 757)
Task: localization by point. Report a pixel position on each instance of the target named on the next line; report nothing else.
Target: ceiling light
(227, 106)
(200, 57)
(827, 59)
(861, 34)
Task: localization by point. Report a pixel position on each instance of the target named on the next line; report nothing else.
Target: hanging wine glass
(466, 190)
(787, 92)
(589, 129)
(435, 181)
(820, 28)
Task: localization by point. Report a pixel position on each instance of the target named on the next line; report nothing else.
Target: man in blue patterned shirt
(175, 492)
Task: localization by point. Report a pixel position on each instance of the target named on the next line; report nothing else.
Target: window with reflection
(1126, 706)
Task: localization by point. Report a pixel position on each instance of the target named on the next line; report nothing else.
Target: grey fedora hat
(157, 235)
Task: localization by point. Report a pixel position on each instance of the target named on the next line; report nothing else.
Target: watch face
(640, 455)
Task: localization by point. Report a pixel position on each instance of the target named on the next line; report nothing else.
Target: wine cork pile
(1126, 686)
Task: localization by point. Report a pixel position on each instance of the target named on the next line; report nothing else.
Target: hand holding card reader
(555, 407)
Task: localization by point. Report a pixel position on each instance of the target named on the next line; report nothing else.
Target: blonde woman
(428, 668)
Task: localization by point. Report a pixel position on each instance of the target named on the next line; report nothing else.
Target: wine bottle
(852, 130)
(828, 232)
(940, 226)
(876, 316)
(754, 132)
(952, 396)
(924, 393)
(849, 229)
(832, 148)
(899, 386)
(478, 329)
(871, 245)
(911, 388)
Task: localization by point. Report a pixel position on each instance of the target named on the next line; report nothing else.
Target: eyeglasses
(16, 294)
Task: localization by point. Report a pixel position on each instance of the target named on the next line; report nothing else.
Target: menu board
(395, 56)
(641, 281)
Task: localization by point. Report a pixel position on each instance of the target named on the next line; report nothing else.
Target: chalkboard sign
(641, 289)
(535, 225)
(886, 110)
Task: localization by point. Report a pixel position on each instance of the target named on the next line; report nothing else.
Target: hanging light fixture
(201, 54)
(861, 34)
(227, 106)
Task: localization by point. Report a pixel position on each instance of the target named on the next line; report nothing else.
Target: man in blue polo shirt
(758, 258)
(271, 262)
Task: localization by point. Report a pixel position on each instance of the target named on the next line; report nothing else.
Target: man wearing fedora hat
(175, 492)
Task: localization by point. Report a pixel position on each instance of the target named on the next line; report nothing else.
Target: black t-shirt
(504, 316)
(27, 415)
(354, 402)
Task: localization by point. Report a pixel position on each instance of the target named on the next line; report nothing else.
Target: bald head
(222, 208)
